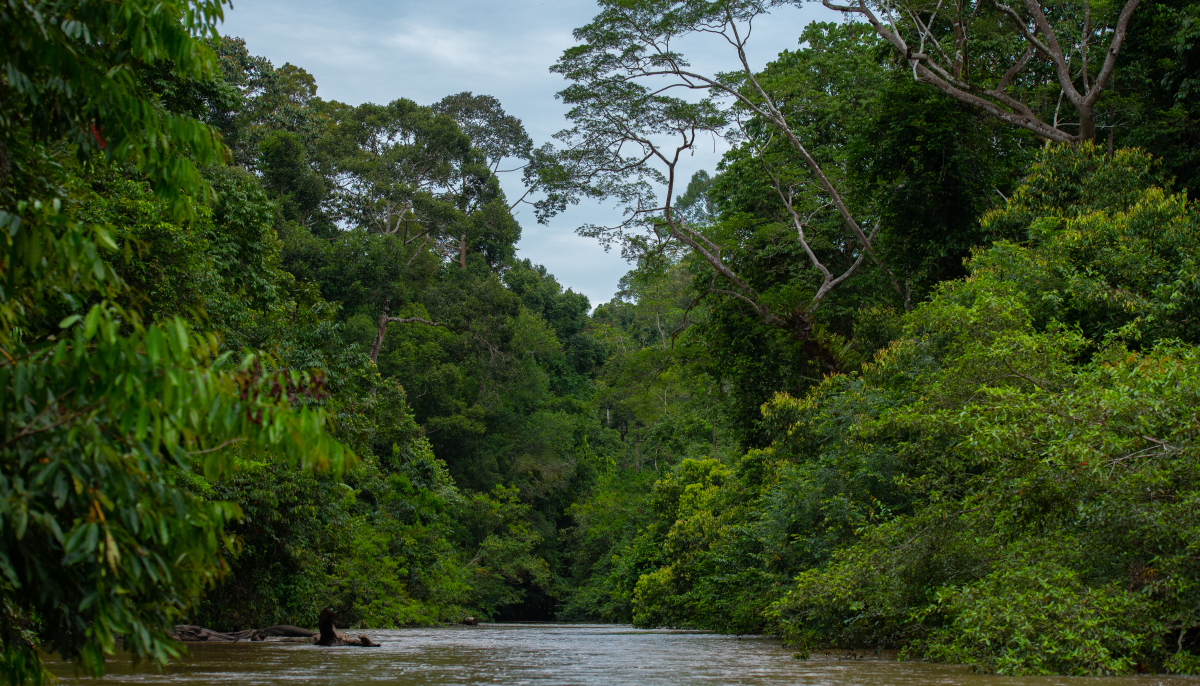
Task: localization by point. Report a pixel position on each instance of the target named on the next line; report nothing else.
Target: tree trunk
(462, 251)
(383, 322)
(1087, 123)
(330, 636)
(189, 633)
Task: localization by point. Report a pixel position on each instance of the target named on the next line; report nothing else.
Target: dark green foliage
(1037, 617)
(497, 365)
(233, 395)
(288, 176)
(114, 398)
(1156, 103)
(936, 166)
(379, 536)
(1009, 483)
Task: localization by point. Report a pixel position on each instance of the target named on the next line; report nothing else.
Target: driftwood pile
(328, 636)
(190, 633)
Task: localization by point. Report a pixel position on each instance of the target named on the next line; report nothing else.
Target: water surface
(556, 654)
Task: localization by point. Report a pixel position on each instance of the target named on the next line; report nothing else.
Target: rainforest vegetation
(917, 366)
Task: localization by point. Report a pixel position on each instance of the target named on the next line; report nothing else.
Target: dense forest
(917, 366)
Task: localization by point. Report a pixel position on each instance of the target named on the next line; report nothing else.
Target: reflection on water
(553, 654)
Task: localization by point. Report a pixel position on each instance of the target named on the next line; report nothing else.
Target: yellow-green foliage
(1049, 474)
(1011, 483)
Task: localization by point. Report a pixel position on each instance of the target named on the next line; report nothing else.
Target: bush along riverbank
(1011, 482)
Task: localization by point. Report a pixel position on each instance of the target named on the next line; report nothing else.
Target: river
(555, 654)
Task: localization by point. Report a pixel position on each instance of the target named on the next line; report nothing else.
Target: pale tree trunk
(462, 251)
(383, 322)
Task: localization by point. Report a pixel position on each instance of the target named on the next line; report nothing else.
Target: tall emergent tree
(639, 107)
(105, 414)
(631, 132)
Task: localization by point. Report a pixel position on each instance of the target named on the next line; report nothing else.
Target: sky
(377, 51)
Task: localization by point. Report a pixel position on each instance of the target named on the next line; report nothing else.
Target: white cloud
(449, 49)
(475, 52)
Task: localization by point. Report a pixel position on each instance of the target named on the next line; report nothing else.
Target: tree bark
(383, 322)
(462, 251)
(1087, 122)
(330, 636)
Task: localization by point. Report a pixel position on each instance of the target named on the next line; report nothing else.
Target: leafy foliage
(107, 416)
(1007, 484)
(235, 395)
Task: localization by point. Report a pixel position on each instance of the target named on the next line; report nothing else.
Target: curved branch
(384, 320)
(1023, 119)
(1110, 59)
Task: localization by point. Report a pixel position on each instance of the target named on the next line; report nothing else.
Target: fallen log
(189, 633)
(291, 639)
(329, 635)
(284, 630)
(242, 635)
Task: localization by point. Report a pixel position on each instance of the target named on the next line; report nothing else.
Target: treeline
(457, 374)
(899, 374)
(373, 243)
(967, 432)
(264, 353)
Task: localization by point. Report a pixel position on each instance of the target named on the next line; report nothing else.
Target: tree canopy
(913, 367)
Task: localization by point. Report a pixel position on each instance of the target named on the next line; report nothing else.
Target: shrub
(1040, 619)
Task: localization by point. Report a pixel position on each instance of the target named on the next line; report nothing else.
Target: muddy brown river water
(555, 654)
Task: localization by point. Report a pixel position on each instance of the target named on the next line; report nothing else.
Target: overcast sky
(377, 51)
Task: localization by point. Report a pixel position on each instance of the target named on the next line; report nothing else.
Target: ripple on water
(555, 654)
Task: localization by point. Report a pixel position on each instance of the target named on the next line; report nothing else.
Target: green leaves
(1037, 617)
(104, 415)
(1113, 250)
(72, 65)
(1010, 483)
(1046, 474)
(96, 431)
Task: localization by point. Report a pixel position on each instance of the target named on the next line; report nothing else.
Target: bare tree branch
(1041, 38)
(384, 320)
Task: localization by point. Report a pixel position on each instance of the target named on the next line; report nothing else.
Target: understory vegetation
(903, 372)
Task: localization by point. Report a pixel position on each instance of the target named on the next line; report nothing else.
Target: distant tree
(502, 139)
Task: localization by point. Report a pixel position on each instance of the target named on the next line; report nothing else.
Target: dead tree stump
(330, 636)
